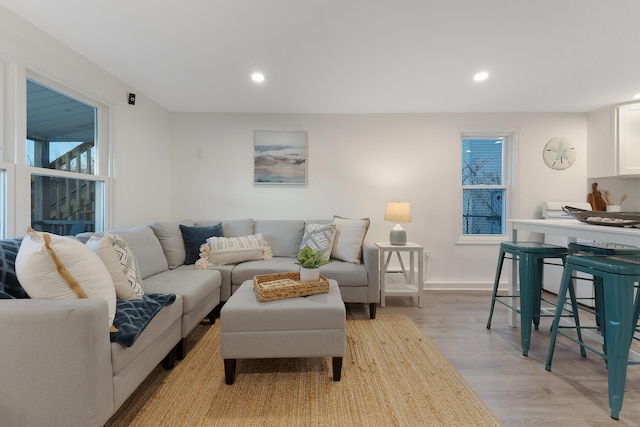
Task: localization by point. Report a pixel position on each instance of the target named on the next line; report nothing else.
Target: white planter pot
(309, 274)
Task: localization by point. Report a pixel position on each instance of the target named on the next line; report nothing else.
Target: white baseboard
(395, 278)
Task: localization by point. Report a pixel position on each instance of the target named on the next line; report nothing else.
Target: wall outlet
(198, 153)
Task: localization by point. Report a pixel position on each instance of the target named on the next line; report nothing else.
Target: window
(3, 204)
(62, 155)
(485, 170)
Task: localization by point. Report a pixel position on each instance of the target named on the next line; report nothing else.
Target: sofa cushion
(170, 237)
(319, 237)
(232, 228)
(122, 356)
(345, 273)
(117, 262)
(146, 248)
(350, 234)
(284, 236)
(57, 267)
(9, 285)
(194, 237)
(193, 285)
(246, 270)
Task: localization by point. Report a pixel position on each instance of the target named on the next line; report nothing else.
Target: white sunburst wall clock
(559, 153)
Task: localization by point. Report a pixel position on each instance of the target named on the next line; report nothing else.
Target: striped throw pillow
(232, 250)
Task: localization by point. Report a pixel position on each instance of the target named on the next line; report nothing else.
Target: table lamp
(398, 212)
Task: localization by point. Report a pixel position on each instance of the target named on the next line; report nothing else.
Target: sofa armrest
(55, 362)
(371, 261)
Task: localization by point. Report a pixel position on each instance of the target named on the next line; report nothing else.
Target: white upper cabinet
(613, 141)
(629, 139)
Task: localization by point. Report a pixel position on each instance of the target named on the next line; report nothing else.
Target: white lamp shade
(398, 212)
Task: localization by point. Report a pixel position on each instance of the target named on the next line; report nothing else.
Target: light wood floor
(517, 389)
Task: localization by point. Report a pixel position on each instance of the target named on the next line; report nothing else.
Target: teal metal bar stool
(530, 256)
(620, 316)
(602, 249)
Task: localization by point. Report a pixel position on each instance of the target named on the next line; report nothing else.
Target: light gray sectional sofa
(359, 283)
(57, 364)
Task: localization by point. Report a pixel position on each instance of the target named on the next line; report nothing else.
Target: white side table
(413, 288)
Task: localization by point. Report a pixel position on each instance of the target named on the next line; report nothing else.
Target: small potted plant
(310, 262)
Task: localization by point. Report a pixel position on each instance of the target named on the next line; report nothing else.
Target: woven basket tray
(271, 287)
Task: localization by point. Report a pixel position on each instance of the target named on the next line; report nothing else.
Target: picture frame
(280, 157)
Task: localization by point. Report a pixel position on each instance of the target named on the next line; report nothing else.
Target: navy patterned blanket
(133, 316)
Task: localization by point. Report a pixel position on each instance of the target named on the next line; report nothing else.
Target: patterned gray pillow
(9, 285)
(319, 237)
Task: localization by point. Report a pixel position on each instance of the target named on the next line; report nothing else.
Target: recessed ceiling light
(257, 77)
(636, 96)
(482, 75)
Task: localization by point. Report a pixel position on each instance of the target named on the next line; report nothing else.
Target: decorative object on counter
(612, 219)
(602, 200)
(559, 153)
(595, 199)
(606, 197)
(398, 212)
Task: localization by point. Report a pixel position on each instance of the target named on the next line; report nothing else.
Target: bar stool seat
(531, 256)
(602, 249)
(620, 316)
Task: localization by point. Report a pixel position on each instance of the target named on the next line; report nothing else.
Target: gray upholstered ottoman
(312, 326)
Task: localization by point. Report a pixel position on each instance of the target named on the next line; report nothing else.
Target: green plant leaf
(308, 258)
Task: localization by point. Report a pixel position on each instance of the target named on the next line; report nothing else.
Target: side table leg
(420, 276)
(382, 273)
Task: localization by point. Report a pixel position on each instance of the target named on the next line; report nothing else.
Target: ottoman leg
(229, 370)
(337, 368)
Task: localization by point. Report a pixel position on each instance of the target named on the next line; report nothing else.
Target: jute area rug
(393, 375)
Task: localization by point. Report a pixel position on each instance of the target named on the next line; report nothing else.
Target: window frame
(509, 140)
(102, 150)
(17, 214)
(7, 184)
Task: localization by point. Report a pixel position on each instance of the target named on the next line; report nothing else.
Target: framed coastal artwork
(279, 157)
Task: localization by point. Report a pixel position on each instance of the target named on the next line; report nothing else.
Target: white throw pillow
(52, 266)
(128, 262)
(319, 237)
(232, 250)
(107, 252)
(350, 234)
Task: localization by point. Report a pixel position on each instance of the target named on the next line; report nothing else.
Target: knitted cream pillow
(232, 250)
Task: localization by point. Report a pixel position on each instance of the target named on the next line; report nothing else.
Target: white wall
(140, 133)
(359, 162)
(356, 162)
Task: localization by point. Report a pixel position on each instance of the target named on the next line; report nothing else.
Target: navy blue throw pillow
(9, 285)
(194, 237)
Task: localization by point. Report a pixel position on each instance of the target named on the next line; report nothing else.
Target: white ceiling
(357, 56)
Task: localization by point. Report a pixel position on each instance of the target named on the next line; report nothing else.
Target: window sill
(482, 239)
